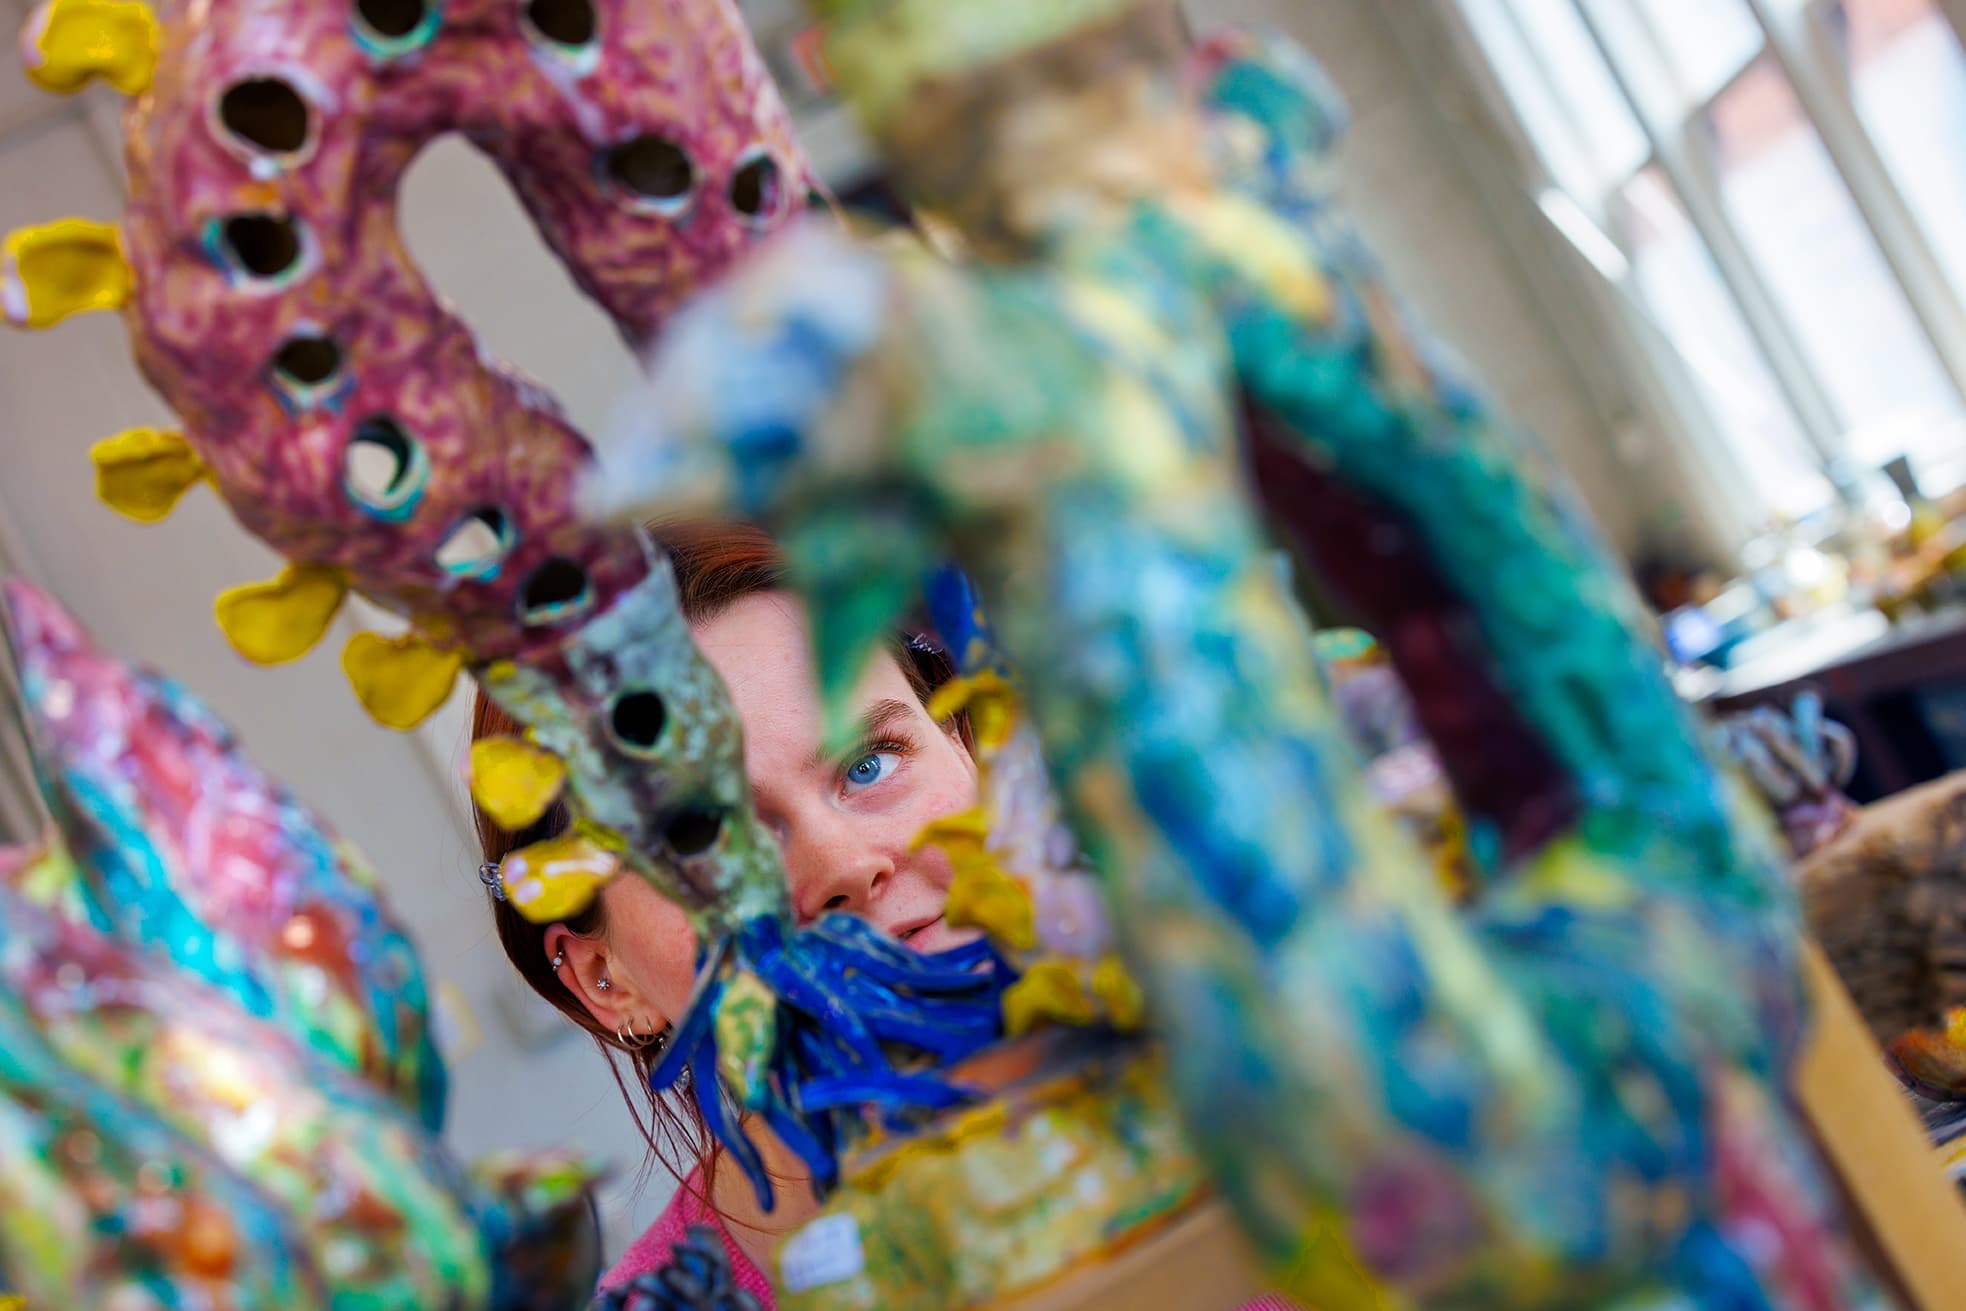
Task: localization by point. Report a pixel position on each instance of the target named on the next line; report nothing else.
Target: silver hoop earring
(633, 1041)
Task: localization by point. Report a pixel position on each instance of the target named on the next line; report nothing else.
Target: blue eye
(870, 769)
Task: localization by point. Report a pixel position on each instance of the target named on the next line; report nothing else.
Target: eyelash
(875, 746)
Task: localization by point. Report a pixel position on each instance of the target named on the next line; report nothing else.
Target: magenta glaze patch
(347, 416)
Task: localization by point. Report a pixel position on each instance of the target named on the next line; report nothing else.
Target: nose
(833, 866)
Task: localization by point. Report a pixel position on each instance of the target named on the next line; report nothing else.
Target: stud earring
(559, 959)
(604, 985)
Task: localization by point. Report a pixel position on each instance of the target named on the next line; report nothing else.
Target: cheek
(950, 794)
(945, 782)
(650, 936)
(947, 787)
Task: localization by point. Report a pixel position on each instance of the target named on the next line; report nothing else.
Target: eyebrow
(880, 717)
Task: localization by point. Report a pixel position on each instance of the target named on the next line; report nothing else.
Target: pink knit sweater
(652, 1250)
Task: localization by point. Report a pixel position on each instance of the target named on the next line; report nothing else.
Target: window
(1675, 54)
(1676, 277)
(1562, 91)
(1751, 161)
(1812, 249)
(1907, 75)
(1705, 42)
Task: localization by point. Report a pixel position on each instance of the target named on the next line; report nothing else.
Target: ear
(584, 965)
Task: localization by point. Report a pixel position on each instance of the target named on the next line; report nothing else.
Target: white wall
(146, 591)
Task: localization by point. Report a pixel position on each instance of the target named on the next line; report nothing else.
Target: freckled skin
(844, 849)
(845, 842)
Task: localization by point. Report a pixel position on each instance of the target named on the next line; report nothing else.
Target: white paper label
(824, 1252)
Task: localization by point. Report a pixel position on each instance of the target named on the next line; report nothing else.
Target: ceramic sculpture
(349, 420)
(1570, 1092)
(217, 1085)
(1573, 1091)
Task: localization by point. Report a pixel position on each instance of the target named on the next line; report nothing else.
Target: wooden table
(1198, 1263)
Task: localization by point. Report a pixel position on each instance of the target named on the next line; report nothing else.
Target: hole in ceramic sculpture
(308, 361)
(653, 169)
(261, 244)
(385, 468)
(637, 720)
(694, 831)
(569, 22)
(556, 591)
(265, 113)
(754, 188)
(478, 545)
(394, 19)
(390, 29)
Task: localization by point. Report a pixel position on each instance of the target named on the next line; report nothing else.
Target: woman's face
(845, 824)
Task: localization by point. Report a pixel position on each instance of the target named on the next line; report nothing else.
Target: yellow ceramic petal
(70, 266)
(982, 896)
(965, 828)
(552, 880)
(514, 781)
(1049, 990)
(400, 681)
(991, 702)
(271, 623)
(67, 42)
(142, 473)
(1126, 1007)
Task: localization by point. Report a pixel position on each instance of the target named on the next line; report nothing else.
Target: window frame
(1795, 40)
